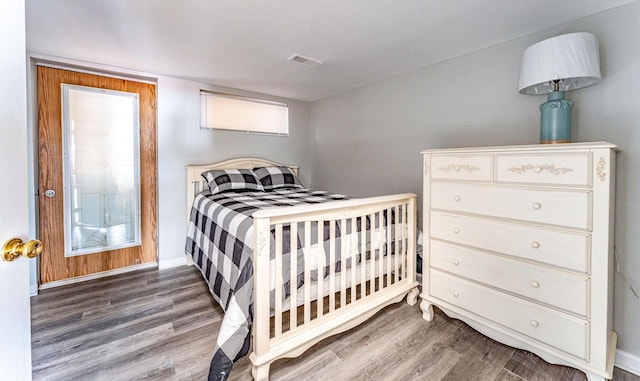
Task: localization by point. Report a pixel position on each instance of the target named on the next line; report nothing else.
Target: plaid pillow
(277, 177)
(232, 179)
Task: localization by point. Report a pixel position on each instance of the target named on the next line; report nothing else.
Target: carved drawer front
(462, 167)
(556, 247)
(558, 169)
(560, 330)
(556, 207)
(556, 288)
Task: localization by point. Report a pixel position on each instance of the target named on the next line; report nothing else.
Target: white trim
(101, 274)
(33, 289)
(628, 361)
(95, 68)
(173, 262)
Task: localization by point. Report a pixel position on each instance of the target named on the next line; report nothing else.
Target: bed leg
(412, 296)
(427, 310)
(261, 372)
(190, 261)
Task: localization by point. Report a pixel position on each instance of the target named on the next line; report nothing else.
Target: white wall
(367, 141)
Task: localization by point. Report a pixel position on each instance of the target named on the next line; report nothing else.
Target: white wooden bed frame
(273, 339)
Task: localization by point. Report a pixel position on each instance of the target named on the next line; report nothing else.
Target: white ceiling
(245, 44)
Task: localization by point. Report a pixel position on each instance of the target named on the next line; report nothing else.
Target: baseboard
(163, 264)
(173, 262)
(628, 362)
(102, 274)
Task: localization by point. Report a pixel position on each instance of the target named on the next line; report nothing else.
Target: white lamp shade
(572, 58)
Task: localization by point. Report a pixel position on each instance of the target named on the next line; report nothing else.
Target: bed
(291, 266)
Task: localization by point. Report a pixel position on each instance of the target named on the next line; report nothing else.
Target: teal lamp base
(555, 119)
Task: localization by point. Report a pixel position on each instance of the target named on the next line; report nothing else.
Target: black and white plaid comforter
(220, 238)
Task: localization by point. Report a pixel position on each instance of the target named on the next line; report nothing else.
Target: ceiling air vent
(305, 60)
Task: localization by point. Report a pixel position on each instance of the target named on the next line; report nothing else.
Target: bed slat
(320, 271)
(307, 272)
(332, 266)
(293, 290)
(278, 280)
(353, 253)
(343, 264)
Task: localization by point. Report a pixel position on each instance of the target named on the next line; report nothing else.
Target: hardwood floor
(162, 325)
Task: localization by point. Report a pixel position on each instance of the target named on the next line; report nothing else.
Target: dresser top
(532, 147)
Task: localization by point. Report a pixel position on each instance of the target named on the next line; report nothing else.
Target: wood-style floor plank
(162, 325)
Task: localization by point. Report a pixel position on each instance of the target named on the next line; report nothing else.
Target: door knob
(49, 193)
(14, 248)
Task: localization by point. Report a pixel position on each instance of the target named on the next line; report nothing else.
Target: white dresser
(520, 247)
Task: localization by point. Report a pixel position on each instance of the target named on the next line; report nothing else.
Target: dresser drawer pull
(534, 324)
(535, 244)
(535, 284)
(456, 230)
(537, 205)
(456, 262)
(457, 198)
(456, 294)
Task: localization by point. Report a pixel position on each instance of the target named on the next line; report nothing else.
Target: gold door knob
(14, 248)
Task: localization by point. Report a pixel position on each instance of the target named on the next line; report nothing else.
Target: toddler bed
(291, 266)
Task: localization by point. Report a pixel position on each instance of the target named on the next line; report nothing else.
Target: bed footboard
(357, 256)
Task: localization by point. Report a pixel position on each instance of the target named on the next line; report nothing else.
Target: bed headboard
(196, 183)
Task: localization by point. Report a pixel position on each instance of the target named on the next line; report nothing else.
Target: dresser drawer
(555, 169)
(545, 325)
(462, 167)
(556, 207)
(557, 288)
(556, 247)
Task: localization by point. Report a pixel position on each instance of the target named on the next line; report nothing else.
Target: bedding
(220, 240)
(277, 177)
(222, 180)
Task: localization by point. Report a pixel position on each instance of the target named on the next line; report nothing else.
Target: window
(101, 169)
(230, 112)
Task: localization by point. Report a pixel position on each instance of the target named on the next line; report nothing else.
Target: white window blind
(230, 112)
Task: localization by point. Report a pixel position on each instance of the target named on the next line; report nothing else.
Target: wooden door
(55, 265)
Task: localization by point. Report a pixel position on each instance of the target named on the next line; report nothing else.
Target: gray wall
(182, 142)
(367, 141)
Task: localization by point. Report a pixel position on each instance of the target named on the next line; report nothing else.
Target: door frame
(35, 60)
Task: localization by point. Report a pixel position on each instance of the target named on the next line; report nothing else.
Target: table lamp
(553, 66)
